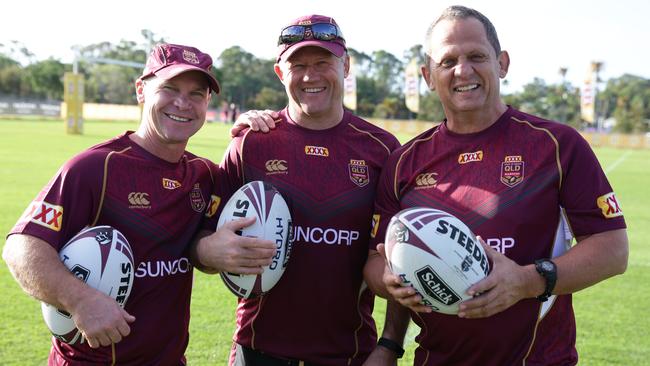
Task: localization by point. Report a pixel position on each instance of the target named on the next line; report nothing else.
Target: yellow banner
(350, 87)
(73, 96)
(412, 86)
(588, 98)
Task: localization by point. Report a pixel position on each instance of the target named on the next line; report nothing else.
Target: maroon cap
(169, 60)
(335, 46)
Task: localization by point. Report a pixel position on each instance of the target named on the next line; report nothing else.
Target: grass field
(613, 317)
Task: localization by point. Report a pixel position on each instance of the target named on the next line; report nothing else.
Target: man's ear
(278, 72)
(346, 65)
(427, 77)
(504, 64)
(139, 90)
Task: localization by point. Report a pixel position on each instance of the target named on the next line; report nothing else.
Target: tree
(44, 79)
(243, 76)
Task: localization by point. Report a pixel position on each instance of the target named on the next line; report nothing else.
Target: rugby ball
(101, 257)
(273, 222)
(437, 254)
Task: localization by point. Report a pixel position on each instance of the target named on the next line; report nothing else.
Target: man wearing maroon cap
(146, 185)
(320, 312)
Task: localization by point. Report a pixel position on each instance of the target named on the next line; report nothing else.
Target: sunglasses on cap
(319, 31)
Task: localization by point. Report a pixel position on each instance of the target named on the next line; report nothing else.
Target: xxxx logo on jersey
(470, 157)
(170, 183)
(317, 151)
(45, 214)
(609, 205)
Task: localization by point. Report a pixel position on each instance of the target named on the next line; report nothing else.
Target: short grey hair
(462, 12)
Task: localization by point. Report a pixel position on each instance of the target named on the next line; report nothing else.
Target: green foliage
(250, 83)
(627, 99)
(610, 316)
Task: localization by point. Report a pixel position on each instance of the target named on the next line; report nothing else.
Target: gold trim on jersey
(557, 146)
(101, 196)
(207, 165)
(371, 136)
(399, 161)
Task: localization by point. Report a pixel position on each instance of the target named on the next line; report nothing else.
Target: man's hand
(506, 284)
(100, 319)
(224, 250)
(257, 120)
(405, 295)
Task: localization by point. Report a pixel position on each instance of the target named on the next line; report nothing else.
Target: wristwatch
(391, 345)
(547, 269)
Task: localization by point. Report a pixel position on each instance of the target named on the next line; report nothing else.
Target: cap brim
(175, 70)
(335, 48)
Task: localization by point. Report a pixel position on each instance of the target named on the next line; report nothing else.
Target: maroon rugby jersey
(507, 184)
(320, 311)
(158, 207)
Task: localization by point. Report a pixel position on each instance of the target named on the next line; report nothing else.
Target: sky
(541, 37)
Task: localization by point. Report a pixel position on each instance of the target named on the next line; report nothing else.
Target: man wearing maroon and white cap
(97, 187)
(320, 312)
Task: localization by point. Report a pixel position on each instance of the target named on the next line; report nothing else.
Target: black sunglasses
(320, 31)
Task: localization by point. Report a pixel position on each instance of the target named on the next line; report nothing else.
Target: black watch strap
(547, 269)
(391, 345)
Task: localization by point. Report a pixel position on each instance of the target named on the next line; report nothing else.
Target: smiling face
(464, 70)
(313, 79)
(174, 110)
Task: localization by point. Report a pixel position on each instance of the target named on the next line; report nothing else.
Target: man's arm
(224, 250)
(37, 268)
(392, 337)
(595, 258)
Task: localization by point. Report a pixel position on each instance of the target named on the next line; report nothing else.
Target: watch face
(547, 266)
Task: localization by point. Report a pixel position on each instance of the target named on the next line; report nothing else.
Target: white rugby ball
(102, 258)
(437, 254)
(273, 222)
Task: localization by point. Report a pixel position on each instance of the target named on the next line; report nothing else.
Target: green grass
(612, 317)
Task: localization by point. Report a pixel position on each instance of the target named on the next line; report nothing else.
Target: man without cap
(509, 176)
(97, 187)
(325, 161)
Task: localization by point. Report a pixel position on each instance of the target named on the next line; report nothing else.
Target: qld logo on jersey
(609, 205)
(359, 172)
(512, 170)
(45, 214)
(196, 199)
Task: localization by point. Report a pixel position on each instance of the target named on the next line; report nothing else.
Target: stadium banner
(350, 87)
(29, 108)
(412, 86)
(588, 98)
(73, 96)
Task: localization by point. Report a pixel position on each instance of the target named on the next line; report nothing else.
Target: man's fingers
(381, 248)
(238, 224)
(92, 342)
